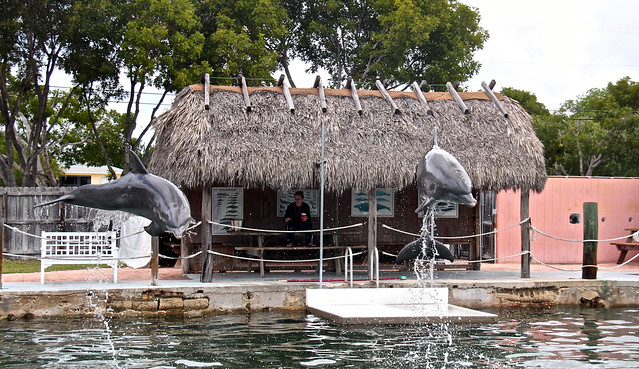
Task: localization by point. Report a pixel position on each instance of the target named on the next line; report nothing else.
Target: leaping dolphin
(440, 177)
(414, 249)
(140, 193)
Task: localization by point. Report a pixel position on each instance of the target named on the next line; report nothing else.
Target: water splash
(424, 267)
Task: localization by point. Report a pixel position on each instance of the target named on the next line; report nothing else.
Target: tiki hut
(264, 143)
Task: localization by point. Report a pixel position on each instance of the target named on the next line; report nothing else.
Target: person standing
(298, 218)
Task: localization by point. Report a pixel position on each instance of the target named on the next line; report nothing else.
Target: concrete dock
(496, 285)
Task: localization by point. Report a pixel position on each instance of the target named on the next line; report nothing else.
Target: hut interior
(238, 152)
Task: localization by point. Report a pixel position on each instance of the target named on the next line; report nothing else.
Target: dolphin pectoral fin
(426, 203)
(136, 164)
(443, 252)
(410, 251)
(59, 199)
(154, 229)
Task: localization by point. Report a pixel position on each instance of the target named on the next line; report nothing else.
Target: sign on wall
(285, 197)
(445, 209)
(385, 202)
(228, 205)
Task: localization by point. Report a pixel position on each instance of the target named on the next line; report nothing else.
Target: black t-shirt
(295, 213)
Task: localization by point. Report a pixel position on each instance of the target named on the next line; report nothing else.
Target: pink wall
(618, 200)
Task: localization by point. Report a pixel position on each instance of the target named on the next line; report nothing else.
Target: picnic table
(629, 245)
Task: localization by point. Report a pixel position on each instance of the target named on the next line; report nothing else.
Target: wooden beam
(351, 86)
(206, 233)
(422, 99)
(457, 98)
(155, 260)
(372, 228)
(207, 91)
(524, 213)
(320, 88)
(591, 232)
(387, 96)
(241, 81)
(494, 99)
(287, 93)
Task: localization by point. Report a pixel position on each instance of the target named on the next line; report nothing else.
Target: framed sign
(228, 205)
(385, 202)
(445, 209)
(285, 197)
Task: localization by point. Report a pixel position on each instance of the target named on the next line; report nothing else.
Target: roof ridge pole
(320, 88)
(457, 98)
(287, 93)
(351, 85)
(242, 82)
(421, 98)
(207, 91)
(494, 99)
(387, 96)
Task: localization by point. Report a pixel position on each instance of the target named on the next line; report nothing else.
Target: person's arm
(288, 215)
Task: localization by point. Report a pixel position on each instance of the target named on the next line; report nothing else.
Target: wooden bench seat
(624, 247)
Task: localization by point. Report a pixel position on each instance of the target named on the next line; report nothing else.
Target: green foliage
(397, 41)
(596, 134)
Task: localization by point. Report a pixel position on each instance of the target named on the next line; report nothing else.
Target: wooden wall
(618, 200)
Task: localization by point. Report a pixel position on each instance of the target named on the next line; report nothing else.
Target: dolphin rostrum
(440, 177)
(414, 249)
(139, 193)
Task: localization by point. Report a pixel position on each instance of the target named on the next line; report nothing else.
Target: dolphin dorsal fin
(136, 164)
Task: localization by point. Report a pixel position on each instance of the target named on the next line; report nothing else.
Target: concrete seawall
(207, 299)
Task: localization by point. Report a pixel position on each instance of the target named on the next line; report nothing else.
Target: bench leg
(115, 273)
(622, 256)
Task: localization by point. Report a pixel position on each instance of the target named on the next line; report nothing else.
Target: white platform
(390, 306)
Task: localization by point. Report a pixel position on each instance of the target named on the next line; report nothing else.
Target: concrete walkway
(173, 278)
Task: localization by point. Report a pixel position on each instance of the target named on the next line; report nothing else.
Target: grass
(33, 266)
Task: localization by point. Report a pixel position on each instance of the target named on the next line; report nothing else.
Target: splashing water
(424, 267)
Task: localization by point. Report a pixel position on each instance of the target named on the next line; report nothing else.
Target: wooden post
(457, 98)
(387, 96)
(207, 91)
(489, 92)
(206, 233)
(351, 86)
(320, 89)
(591, 232)
(372, 228)
(247, 101)
(3, 216)
(524, 212)
(155, 260)
(184, 253)
(421, 98)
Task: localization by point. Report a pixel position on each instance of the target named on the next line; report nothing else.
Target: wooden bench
(259, 252)
(629, 245)
(79, 248)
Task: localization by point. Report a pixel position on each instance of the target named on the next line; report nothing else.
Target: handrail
(375, 266)
(348, 262)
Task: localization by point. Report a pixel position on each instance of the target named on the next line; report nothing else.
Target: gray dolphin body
(139, 193)
(440, 177)
(414, 249)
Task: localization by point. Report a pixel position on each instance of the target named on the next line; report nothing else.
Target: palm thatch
(271, 147)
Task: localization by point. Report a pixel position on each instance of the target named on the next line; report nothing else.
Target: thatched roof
(271, 147)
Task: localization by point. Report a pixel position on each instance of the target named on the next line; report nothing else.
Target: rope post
(206, 233)
(155, 260)
(591, 232)
(372, 230)
(3, 216)
(524, 213)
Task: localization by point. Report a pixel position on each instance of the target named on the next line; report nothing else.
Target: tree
(596, 134)
(396, 41)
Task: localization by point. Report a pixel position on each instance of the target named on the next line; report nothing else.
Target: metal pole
(524, 213)
(321, 235)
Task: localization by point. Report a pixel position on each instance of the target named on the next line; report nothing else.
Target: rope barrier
(282, 231)
(635, 234)
(457, 237)
(71, 258)
(475, 261)
(278, 261)
(180, 257)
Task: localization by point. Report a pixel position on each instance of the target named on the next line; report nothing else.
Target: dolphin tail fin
(59, 199)
(443, 252)
(426, 203)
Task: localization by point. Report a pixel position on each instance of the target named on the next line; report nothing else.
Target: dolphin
(440, 177)
(414, 249)
(139, 193)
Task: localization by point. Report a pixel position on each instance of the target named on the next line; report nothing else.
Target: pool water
(523, 338)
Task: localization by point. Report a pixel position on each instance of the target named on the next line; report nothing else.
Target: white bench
(79, 248)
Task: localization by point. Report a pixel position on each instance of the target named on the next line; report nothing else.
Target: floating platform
(390, 306)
